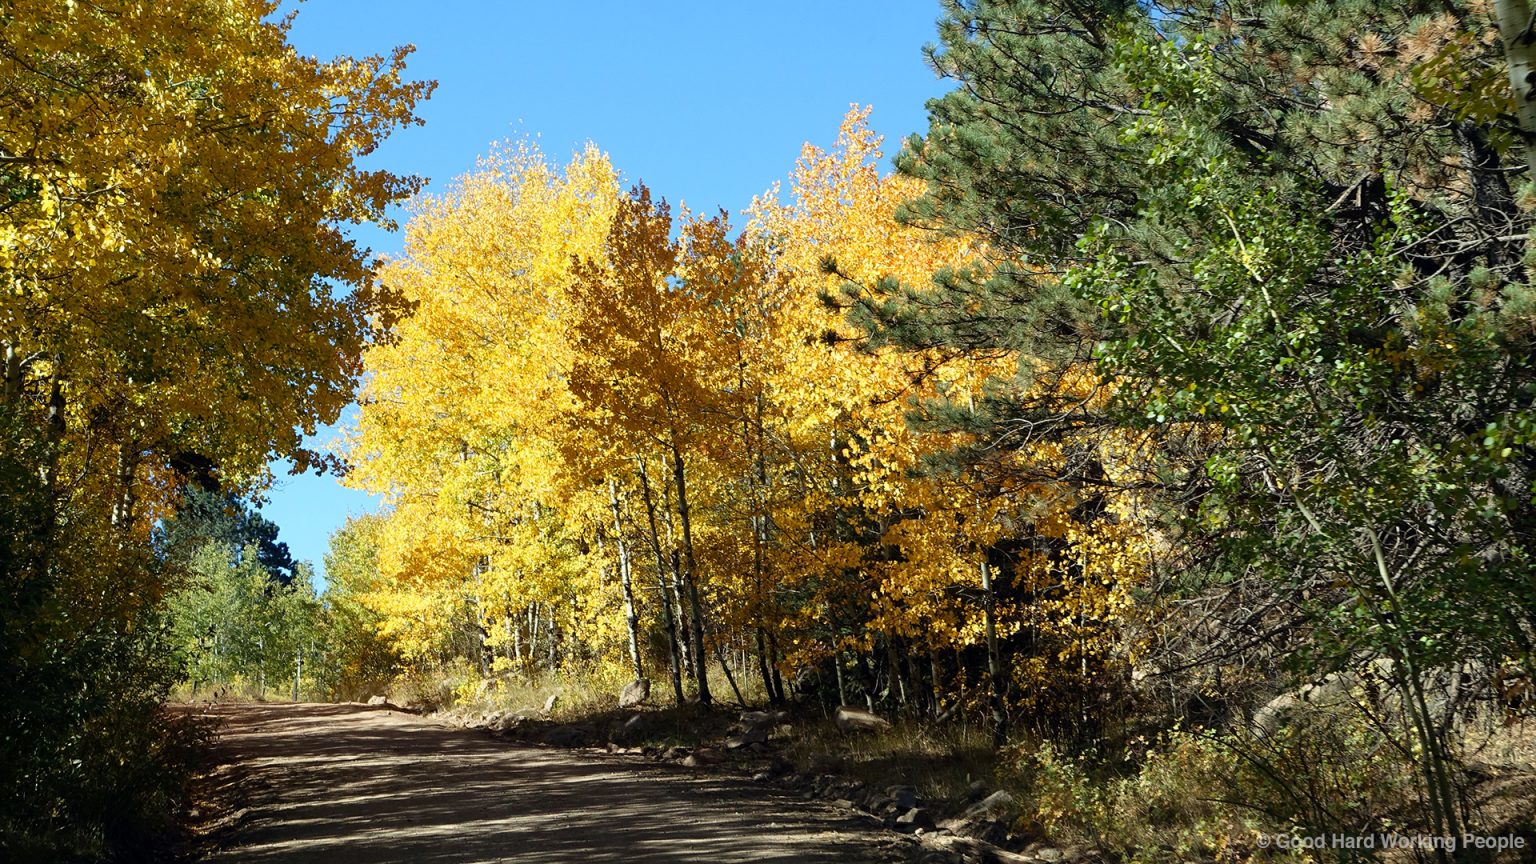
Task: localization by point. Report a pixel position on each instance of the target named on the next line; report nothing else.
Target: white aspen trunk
(994, 668)
(1520, 51)
(674, 655)
(632, 618)
(700, 666)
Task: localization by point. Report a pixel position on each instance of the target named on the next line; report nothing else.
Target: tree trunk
(763, 667)
(632, 618)
(867, 678)
(898, 685)
(729, 678)
(842, 687)
(122, 508)
(936, 679)
(679, 593)
(670, 621)
(55, 439)
(701, 670)
(994, 670)
(1520, 52)
(773, 663)
(684, 622)
(12, 385)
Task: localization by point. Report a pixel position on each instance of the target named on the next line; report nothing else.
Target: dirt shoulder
(351, 783)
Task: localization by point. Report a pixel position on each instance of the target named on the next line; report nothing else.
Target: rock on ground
(983, 819)
(850, 718)
(636, 692)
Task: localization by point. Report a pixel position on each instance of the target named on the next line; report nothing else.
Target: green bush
(91, 766)
(1200, 796)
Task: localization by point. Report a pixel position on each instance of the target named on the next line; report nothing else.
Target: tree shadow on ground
(348, 783)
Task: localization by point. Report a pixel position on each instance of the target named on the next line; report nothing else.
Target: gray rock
(763, 719)
(378, 700)
(754, 729)
(567, 736)
(1332, 692)
(549, 704)
(853, 719)
(636, 725)
(972, 851)
(905, 796)
(847, 788)
(983, 820)
(915, 819)
(635, 693)
(746, 738)
(707, 756)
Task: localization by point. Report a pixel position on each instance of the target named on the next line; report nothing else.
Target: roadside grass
(940, 762)
(1188, 796)
(1500, 752)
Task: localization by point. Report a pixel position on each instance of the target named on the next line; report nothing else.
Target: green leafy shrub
(1199, 796)
(91, 765)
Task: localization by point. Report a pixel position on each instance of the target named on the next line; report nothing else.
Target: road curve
(337, 784)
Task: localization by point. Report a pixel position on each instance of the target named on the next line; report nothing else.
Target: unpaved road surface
(338, 784)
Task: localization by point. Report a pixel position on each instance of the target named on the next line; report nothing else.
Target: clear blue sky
(708, 103)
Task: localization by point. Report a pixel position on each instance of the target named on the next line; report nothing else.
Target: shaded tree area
(180, 304)
(225, 520)
(1292, 239)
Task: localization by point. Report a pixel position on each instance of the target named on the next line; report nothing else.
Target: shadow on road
(347, 783)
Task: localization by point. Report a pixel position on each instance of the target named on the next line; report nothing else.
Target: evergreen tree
(1285, 236)
(236, 625)
(224, 519)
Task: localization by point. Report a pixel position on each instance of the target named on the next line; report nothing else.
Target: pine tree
(1285, 236)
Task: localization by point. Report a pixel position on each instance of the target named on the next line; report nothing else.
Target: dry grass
(1501, 758)
(581, 697)
(940, 762)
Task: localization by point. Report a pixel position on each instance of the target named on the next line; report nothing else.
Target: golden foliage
(596, 404)
(177, 178)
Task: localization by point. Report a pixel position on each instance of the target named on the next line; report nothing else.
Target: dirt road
(338, 784)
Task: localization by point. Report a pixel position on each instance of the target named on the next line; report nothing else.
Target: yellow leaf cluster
(646, 430)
